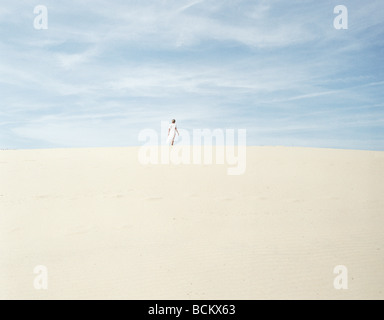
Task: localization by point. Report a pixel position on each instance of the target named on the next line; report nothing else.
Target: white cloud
(70, 61)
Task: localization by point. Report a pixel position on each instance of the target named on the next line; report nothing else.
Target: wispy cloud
(189, 5)
(70, 61)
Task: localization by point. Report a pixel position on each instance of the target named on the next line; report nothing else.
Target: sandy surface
(107, 227)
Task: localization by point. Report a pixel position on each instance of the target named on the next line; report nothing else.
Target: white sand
(107, 227)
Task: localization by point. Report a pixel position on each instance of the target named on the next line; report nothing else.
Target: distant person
(172, 130)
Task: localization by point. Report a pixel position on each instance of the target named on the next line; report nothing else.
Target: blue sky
(105, 70)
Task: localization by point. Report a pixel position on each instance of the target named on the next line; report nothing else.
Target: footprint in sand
(79, 230)
(191, 195)
(224, 199)
(153, 199)
(124, 227)
(14, 230)
(119, 195)
(43, 196)
(294, 200)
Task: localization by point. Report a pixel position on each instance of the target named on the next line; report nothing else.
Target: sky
(104, 71)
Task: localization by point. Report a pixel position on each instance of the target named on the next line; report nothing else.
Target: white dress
(172, 133)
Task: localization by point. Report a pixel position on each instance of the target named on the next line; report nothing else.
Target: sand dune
(107, 227)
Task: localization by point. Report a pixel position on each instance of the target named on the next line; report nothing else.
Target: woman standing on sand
(172, 130)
